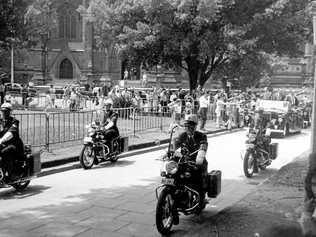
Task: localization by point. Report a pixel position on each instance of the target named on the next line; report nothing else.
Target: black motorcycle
(180, 192)
(260, 153)
(24, 170)
(97, 149)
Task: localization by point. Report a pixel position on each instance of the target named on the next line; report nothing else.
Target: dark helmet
(191, 119)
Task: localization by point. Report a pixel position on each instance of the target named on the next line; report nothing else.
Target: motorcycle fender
(168, 188)
(243, 152)
(87, 140)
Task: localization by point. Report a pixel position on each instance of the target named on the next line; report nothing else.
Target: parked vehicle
(283, 119)
(96, 149)
(179, 192)
(17, 88)
(24, 171)
(260, 152)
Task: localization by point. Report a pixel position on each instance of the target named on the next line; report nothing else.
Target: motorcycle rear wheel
(249, 164)
(21, 186)
(87, 157)
(164, 212)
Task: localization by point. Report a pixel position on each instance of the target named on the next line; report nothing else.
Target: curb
(133, 150)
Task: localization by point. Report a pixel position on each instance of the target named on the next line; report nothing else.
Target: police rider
(110, 121)
(195, 141)
(11, 145)
(261, 124)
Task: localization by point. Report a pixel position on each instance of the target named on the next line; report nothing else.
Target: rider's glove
(200, 157)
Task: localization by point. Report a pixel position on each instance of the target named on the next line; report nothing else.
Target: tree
(12, 22)
(41, 18)
(204, 37)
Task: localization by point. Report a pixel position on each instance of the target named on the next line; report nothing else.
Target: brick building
(71, 55)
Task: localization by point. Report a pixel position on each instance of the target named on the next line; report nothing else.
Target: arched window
(66, 69)
(68, 21)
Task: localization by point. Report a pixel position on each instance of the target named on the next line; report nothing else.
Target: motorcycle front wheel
(164, 214)
(21, 186)
(86, 157)
(249, 164)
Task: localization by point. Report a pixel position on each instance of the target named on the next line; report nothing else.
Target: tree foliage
(12, 22)
(204, 37)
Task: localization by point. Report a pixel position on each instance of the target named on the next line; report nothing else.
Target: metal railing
(41, 129)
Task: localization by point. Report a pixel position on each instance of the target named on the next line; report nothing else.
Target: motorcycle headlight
(170, 167)
(91, 131)
(252, 137)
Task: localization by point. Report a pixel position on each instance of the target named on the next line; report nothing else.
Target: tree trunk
(193, 71)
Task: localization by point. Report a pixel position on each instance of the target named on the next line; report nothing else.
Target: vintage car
(282, 118)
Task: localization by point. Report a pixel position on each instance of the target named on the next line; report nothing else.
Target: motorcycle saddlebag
(124, 144)
(214, 183)
(273, 150)
(36, 163)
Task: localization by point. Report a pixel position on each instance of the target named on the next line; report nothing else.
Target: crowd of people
(223, 106)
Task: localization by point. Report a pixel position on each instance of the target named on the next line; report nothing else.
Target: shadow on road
(32, 190)
(125, 210)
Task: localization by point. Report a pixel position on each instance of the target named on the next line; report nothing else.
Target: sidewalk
(149, 138)
(273, 210)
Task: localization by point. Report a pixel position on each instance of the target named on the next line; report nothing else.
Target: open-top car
(283, 119)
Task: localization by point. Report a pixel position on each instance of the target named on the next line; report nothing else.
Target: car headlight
(170, 167)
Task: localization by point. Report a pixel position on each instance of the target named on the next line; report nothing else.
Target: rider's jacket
(12, 125)
(260, 123)
(111, 116)
(196, 142)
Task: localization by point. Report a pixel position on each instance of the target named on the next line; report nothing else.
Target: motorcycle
(179, 192)
(260, 152)
(24, 170)
(97, 149)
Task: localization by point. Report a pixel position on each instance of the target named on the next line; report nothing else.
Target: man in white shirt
(203, 106)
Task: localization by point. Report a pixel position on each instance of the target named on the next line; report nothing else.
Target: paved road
(118, 199)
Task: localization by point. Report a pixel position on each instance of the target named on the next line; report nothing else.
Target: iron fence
(41, 129)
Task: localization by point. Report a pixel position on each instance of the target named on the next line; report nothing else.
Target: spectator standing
(219, 110)
(203, 106)
(163, 100)
(2, 93)
(175, 108)
(173, 96)
(52, 93)
(25, 91)
(73, 100)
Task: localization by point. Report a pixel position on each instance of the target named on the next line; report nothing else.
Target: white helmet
(6, 106)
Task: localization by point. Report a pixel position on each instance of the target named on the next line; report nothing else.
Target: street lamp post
(313, 134)
(12, 63)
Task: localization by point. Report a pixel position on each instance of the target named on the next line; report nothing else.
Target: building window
(68, 21)
(66, 69)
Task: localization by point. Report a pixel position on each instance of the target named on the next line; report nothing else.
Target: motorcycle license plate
(167, 181)
(250, 146)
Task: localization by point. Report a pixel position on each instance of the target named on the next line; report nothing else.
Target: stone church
(71, 55)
